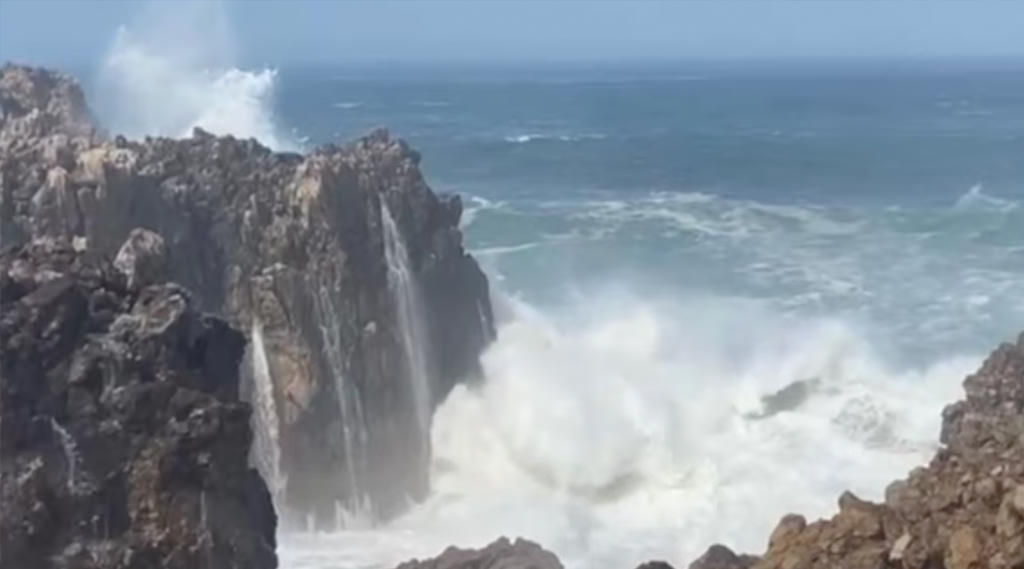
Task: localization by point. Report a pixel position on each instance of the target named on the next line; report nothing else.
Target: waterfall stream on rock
(410, 317)
(266, 426)
(356, 511)
(71, 456)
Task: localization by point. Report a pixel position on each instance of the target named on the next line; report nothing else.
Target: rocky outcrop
(965, 510)
(123, 443)
(502, 554)
(289, 248)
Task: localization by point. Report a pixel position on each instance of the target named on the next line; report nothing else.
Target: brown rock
(721, 557)
(965, 550)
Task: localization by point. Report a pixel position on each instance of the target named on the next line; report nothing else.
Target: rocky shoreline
(345, 308)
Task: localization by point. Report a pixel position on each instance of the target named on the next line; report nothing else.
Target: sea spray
(410, 318)
(626, 427)
(266, 422)
(174, 70)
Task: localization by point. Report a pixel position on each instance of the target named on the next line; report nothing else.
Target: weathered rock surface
(123, 443)
(965, 510)
(502, 554)
(290, 247)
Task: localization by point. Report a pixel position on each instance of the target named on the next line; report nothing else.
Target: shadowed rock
(123, 440)
(788, 398)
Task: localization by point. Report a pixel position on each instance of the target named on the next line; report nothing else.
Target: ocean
(667, 244)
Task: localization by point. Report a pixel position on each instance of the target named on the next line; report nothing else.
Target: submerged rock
(291, 247)
(123, 440)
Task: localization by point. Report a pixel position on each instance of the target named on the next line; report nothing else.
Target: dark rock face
(965, 510)
(501, 554)
(721, 557)
(289, 247)
(124, 444)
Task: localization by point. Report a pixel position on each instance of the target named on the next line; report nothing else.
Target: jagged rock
(290, 245)
(142, 259)
(721, 557)
(502, 554)
(123, 440)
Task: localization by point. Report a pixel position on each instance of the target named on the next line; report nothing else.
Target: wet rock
(124, 444)
(502, 554)
(143, 259)
(287, 244)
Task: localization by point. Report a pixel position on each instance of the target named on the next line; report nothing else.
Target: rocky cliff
(343, 268)
(123, 443)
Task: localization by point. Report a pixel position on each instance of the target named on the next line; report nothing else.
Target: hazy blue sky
(80, 31)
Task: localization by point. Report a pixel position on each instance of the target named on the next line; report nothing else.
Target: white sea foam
(347, 105)
(533, 137)
(173, 71)
(476, 205)
(624, 429)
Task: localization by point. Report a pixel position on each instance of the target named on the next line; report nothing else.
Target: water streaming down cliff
(71, 456)
(266, 450)
(357, 510)
(410, 318)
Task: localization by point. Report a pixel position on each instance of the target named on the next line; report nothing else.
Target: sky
(78, 32)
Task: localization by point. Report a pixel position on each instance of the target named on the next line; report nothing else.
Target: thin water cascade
(357, 509)
(71, 457)
(267, 426)
(410, 317)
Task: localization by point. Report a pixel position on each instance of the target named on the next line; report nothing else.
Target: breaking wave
(619, 429)
(149, 87)
(535, 137)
